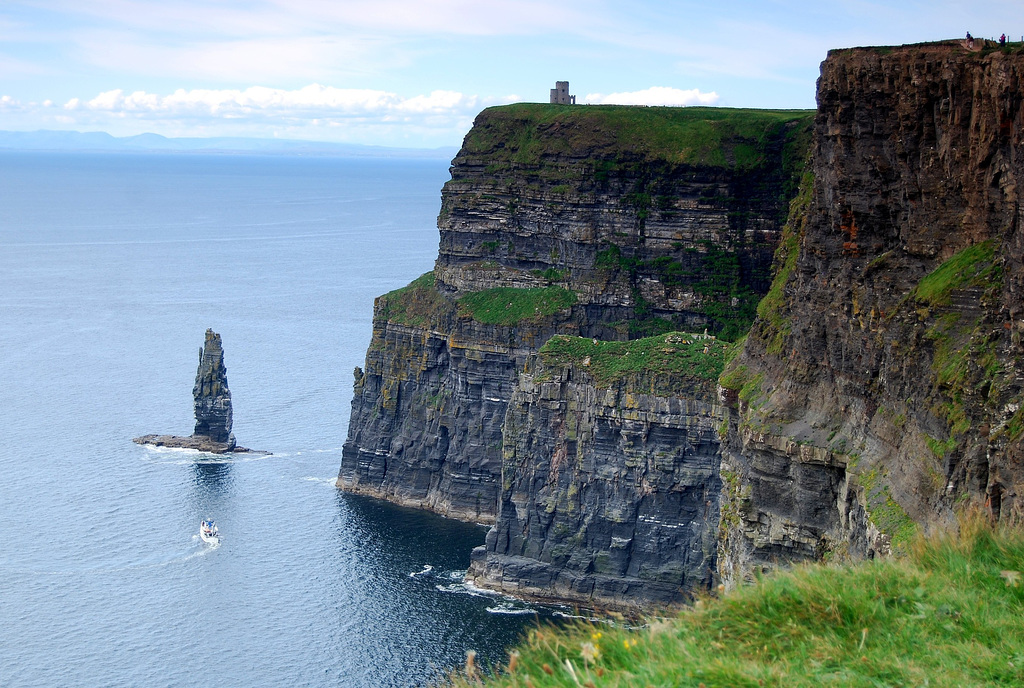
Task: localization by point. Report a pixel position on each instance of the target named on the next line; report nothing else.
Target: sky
(414, 73)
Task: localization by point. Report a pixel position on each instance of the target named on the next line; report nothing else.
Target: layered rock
(590, 211)
(212, 404)
(610, 482)
(426, 420)
(881, 385)
(212, 398)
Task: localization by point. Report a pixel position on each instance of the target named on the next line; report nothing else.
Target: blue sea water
(111, 269)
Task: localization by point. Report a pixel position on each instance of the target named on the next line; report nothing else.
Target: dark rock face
(609, 495)
(211, 393)
(628, 231)
(212, 406)
(883, 386)
(426, 419)
(634, 230)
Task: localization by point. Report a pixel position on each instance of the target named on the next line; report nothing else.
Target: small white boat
(208, 532)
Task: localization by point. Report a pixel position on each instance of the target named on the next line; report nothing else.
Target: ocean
(112, 266)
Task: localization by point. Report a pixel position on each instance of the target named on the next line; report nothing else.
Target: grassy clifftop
(714, 137)
(948, 614)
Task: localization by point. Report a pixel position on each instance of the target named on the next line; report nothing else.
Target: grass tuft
(973, 266)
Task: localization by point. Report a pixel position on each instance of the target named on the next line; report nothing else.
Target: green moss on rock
(417, 304)
(685, 357)
(510, 306)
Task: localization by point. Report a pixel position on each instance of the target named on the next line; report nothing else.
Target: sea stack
(211, 393)
(212, 403)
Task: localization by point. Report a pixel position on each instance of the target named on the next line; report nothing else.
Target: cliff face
(604, 222)
(610, 482)
(426, 419)
(881, 384)
(657, 218)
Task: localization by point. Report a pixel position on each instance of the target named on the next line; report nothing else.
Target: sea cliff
(635, 457)
(604, 222)
(880, 386)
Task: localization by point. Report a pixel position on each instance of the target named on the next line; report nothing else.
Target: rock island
(212, 406)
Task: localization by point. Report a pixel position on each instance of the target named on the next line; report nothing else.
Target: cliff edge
(881, 384)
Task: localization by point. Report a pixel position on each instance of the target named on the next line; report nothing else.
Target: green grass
(510, 306)
(946, 614)
(973, 266)
(416, 304)
(718, 137)
(675, 354)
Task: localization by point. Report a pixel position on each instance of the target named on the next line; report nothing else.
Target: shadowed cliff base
(212, 403)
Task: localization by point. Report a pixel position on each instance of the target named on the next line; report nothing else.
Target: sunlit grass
(949, 613)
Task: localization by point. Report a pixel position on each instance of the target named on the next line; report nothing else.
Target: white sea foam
(329, 482)
(427, 568)
(511, 608)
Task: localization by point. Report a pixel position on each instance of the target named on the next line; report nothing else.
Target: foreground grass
(950, 613)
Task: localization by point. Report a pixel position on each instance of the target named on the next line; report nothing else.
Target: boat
(208, 532)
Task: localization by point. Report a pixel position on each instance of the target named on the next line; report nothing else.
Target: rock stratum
(212, 404)
(565, 372)
(881, 385)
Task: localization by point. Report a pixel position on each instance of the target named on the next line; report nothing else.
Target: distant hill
(98, 141)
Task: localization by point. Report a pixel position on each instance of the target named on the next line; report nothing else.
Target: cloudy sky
(415, 72)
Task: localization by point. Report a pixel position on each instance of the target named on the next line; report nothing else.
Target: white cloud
(314, 112)
(256, 102)
(655, 95)
(8, 103)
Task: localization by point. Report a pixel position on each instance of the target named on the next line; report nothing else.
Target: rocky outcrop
(212, 403)
(603, 222)
(609, 486)
(212, 398)
(881, 386)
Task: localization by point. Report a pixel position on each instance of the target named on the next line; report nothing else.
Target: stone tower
(560, 94)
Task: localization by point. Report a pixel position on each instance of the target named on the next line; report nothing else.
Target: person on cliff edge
(970, 40)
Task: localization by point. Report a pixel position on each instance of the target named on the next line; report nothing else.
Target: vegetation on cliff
(420, 304)
(523, 133)
(947, 614)
(774, 326)
(417, 304)
(509, 305)
(676, 354)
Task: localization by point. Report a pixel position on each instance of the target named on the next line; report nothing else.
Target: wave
(511, 608)
(330, 482)
(186, 456)
(427, 568)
